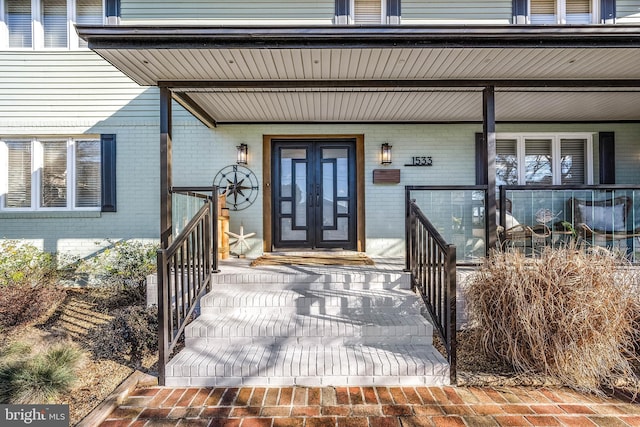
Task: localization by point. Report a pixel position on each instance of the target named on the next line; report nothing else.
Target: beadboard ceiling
(273, 83)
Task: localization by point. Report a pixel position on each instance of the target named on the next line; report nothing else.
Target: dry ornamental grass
(566, 314)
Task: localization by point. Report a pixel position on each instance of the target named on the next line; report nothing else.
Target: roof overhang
(382, 74)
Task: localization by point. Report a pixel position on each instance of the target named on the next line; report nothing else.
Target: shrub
(566, 314)
(28, 283)
(131, 334)
(40, 378)
(123, 268)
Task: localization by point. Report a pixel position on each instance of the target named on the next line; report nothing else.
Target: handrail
(185, 271)
(432, 263)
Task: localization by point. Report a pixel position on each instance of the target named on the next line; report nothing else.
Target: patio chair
(602, 220)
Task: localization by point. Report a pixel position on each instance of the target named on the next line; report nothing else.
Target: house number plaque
(421, 161)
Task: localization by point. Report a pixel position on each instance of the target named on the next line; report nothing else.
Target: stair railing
(432, 264)
(185, 271)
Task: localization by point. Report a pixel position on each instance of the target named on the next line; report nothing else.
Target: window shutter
(572, 161)
(579, 12)
(543, 12)
(108, 154)
(506, 162)
(608, 11)
(19, 23)
(537, 161)
(54, 23)
(519, 8)
(393, 12)
(88, 12)
(481, 160)
(88, 182)
(367, 12)
(19, 191)
(53, 187)
(342, 12)
(607, 154)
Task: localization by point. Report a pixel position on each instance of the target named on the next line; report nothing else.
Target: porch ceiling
(384, 74)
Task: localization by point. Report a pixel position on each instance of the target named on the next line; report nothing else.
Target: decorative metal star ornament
(241, 240)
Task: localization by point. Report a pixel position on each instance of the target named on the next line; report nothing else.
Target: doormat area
(355, 259)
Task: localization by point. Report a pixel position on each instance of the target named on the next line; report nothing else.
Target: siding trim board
(346, 37)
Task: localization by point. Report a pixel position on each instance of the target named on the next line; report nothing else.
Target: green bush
(122, 269)
(23, 264)
(567, 314)
(130, 335)
(40, 378)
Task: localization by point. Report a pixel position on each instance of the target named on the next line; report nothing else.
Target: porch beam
(166, 180)
(471, 85)
(195, 109)
(489, 137)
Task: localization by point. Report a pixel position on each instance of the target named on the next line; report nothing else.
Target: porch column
(165, 167)
(489, 136)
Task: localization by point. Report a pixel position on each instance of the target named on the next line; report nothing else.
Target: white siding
(456, 11)
(240, 12)
(628, 12)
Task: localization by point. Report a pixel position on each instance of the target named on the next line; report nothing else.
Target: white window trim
(561, 12)
(37, 29)
(36, 173)
(555, 152)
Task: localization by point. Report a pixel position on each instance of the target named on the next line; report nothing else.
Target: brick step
(307, 366)
(335, 279)
(316, 302)
(248, 328)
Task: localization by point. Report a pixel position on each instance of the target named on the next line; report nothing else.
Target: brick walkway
(369, 407)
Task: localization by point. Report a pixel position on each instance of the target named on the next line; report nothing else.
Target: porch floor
(311, 326)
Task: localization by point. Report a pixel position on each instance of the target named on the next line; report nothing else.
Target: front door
(314, 196)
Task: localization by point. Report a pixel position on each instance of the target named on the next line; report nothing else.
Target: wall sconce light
(385, 152)
(241, 157)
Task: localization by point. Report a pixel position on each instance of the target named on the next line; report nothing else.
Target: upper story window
(563, 11)
(47, 24)
(560, 159)
(367, 11)
(50, 174)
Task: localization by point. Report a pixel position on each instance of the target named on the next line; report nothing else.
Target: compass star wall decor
(239, 184)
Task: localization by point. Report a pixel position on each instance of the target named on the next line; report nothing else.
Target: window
(564, 159)
(367, 11)
(48, 24)
(563, 11)
(63, 174)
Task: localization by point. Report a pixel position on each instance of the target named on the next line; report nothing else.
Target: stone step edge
(324, 341)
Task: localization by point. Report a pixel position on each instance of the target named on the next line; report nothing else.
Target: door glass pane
(285, 208)
(327, 194)
(19, 191)
(19, 22)
(340, 233)
(54, 175)
(300, 197)
(288, 233)
(343, 207)
(88, 192)
(537, 161)
(287, 155)
(54, 23)
(88, 12)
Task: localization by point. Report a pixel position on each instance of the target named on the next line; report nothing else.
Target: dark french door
(314, 194)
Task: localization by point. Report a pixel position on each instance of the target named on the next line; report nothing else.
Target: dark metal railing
(185, 271)
(432, 264)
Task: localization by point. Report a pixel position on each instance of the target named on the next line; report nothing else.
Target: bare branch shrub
(567, 314)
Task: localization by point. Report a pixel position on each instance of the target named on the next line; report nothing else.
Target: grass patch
(40, 378)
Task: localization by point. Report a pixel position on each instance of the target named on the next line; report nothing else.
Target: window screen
(19, 191)
(573, 160)
(54, 23)
(537, 161)
(543, 12)
(367, 11)
(54, 175)
(88, 191)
